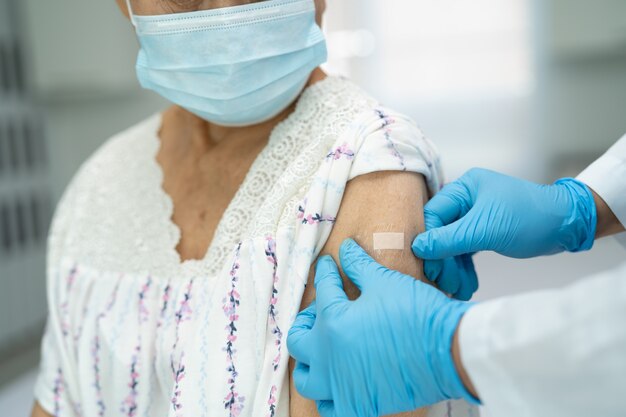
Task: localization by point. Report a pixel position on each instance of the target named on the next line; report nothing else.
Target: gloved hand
(387, 352)
(485, 210)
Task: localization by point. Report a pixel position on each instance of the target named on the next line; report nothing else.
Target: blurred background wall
(534, 88)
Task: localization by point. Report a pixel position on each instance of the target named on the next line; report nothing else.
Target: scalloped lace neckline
(229, 229)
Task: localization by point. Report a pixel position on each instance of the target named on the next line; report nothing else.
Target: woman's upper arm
(389, 201)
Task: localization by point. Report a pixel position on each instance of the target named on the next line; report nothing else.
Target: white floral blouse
(133, 331)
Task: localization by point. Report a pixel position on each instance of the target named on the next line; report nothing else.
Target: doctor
(403, 344)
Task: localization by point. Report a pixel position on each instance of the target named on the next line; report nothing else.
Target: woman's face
(156, 7)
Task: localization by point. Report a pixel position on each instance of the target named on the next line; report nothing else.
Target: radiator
(25, 207)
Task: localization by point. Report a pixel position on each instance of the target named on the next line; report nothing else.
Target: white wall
(581, 78)
(80, 47)
(464, 71)
(83, 56)
(535, 88)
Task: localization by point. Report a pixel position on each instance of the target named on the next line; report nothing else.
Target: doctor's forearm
(605, 177)
(531, 354)
(456, 356)
(608, 224)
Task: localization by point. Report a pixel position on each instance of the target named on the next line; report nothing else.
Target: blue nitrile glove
(485, 210)
(387, 352)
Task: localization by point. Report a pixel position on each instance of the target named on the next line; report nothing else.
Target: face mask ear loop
(130, 13)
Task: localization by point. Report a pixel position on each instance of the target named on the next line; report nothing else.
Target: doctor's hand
(387, 352)
(485, 210)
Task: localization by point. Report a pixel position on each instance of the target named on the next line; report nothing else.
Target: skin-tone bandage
(388, 241)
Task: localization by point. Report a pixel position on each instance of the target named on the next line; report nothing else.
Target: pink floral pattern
(270, 252)
(129, 405)
(315, 218)
(69, 283)
(178, 377)
(312, 219)
(233, 402)
(95, 352)
(183, 314)
(57, 391)
(271, 402)
(301, 210)
(386, 122)
(341, 151)
(143, 310)
(165, 298)
(318, 218)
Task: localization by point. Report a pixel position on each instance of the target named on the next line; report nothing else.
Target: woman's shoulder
(373, 136)
(121, 151)
(335, 97)
(115, 158)
(106, 185)
(341, 97)
(339, 105)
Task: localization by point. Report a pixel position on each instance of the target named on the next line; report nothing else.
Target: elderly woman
(180, 253)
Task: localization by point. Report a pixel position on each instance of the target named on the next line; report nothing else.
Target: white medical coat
(558, 352)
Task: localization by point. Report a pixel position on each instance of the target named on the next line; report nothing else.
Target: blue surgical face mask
(233, 66)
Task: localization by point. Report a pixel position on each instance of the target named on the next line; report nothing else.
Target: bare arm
(38, 411)
(608, 224)
(377, 202)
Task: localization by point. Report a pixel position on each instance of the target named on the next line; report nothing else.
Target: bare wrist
(456, 357)
(608, 224)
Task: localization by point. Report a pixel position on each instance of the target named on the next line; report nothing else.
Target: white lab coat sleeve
(557, 353)
(607, 177)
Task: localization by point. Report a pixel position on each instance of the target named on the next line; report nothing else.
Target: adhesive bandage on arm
(388, 241)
